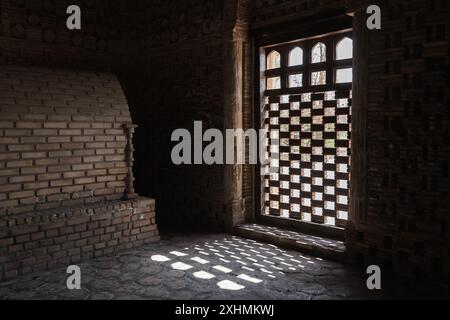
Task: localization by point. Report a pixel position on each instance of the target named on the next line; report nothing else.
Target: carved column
(235, 36)
(129, 156)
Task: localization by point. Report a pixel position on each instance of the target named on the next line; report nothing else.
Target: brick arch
(66, 186)
(62, 138)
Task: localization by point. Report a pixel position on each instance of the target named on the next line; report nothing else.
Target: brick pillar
(359, 173)
(358, 186)
(129, 153)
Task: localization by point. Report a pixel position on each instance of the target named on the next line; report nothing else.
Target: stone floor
(202, 267)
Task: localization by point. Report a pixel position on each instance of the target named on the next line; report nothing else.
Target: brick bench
(39, 241)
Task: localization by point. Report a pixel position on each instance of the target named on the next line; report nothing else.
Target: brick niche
(66, 184)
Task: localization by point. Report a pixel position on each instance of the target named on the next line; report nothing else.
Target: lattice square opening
(307, 107)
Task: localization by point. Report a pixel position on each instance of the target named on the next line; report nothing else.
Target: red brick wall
(61, 138)
(62, 141)
(39, 241)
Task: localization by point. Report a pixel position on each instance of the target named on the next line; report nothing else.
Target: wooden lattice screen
(307, 110)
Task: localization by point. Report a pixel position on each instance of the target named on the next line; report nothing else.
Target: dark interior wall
(408, 209)
(406, 212)
(35, 33)
(168, 57)
(175, 80)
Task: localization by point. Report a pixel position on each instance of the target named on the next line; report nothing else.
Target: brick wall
(64, 170)
(38, 241)
(62, 141)
(408, 183)
(35, 33)
(63, 164)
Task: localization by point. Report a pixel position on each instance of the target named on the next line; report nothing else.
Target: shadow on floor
(206, 267)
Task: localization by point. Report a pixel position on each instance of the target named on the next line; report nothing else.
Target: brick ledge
(64, 213)
(38, 241)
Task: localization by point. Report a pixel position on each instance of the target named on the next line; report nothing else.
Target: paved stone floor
(201, 267)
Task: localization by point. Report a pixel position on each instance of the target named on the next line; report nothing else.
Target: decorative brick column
(129, 154)
(235, 38)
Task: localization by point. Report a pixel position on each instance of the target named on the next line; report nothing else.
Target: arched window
(296, 57)
(273, 60)
(344, 49)
(319, 53)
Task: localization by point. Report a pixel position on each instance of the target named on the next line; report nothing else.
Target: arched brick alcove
(66, 184)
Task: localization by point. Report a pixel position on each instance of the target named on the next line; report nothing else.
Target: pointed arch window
(344, 49)
(296, 57)
(319, 53)
(273, 60)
